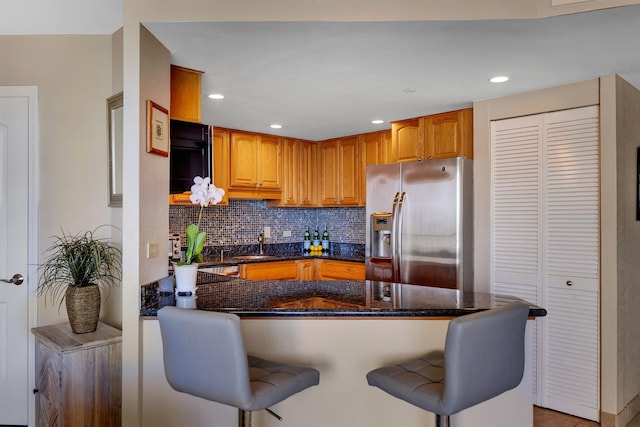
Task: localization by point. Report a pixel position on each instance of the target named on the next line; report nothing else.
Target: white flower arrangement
(204, 193)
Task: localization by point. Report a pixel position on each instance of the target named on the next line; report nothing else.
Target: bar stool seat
(483, 358)
(204, 356)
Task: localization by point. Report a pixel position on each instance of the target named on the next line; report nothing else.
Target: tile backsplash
(241, 222)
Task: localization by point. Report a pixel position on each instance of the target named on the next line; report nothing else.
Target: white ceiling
(327, 79)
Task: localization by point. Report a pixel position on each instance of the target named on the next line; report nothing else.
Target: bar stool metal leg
(442, 420)
(244, 418)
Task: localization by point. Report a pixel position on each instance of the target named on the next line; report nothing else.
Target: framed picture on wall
(157, 129)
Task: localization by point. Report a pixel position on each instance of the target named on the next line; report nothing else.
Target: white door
(545, 246)
(16, 115)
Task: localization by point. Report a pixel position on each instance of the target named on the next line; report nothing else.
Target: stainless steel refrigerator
(420, 223)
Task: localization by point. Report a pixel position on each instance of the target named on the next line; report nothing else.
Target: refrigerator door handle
(394, 217)
(397, 259)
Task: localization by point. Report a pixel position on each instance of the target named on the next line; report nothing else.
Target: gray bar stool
(204, 356)
(483, 358)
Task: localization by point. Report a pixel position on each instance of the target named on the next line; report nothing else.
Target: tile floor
(547, 418)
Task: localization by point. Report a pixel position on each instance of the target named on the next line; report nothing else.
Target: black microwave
(190, 154)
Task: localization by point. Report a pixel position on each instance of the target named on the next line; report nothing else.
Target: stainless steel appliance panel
(383, 184)
(428, 219)
(431, 206)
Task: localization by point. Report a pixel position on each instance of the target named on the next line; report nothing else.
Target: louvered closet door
(572, 262)
(516, 146)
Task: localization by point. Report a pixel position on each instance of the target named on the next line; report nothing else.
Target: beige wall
(73, 76)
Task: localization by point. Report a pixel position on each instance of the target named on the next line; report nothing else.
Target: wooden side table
(78, 376)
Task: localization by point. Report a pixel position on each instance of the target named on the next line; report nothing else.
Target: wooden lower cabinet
(276, 270)
(326, 269)
(307, 269)
(78, 377)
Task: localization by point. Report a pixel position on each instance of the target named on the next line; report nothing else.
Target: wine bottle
(306, 243)
(325, 240)
(316, 237)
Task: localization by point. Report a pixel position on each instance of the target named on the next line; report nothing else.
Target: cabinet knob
(569, 283)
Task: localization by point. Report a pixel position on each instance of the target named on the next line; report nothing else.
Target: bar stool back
(204, 356)
(483, 358)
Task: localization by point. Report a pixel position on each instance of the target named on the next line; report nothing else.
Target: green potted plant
(75, 268)
(203, 193)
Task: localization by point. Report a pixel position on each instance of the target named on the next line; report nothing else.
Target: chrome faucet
(261, 243)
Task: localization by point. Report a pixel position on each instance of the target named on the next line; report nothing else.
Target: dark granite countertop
(327, 299)
(278, 252)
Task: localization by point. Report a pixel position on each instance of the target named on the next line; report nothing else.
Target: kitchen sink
(252, 257)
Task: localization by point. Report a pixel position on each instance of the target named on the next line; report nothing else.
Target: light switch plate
(153, 250)
(286, 233)
(267, 232)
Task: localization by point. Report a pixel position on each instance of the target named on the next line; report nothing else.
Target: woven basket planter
(83, 308)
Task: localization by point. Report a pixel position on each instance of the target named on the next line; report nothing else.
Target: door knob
(17, 279)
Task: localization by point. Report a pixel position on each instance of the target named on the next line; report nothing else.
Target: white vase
(186, 277)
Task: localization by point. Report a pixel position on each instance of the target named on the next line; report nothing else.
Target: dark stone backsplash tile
(240, 223)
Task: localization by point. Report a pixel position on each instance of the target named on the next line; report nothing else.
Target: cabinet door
(185, 94)
(448, 134)
(277, 270)
(220, 141)
(305, 270)
(338, 270)
(269, 162)
(307, 173)
(49, 396)
(572, 262)
(373, 150)
(291, 172)
(407, 140)
(349, 171)
(243, 160)
(329, 195)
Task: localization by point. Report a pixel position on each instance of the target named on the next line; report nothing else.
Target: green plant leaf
(200, 243)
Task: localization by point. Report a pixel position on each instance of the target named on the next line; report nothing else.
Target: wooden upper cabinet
(298, 170)
(243, 152)
(269, 162)
(220, 141)
(307, 174)
(437, 136)
(255, 165)
(449, 134)
(328, 172)
(407, 138)
(374, 150)
(290, 171)
(339, 172)
(185, 94)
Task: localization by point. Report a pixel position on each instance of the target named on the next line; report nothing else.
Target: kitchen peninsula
(342, 328)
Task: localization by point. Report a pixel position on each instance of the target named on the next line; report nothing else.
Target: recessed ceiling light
(498, 79)
(274, 126)
(216, 96)
(377, 122)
